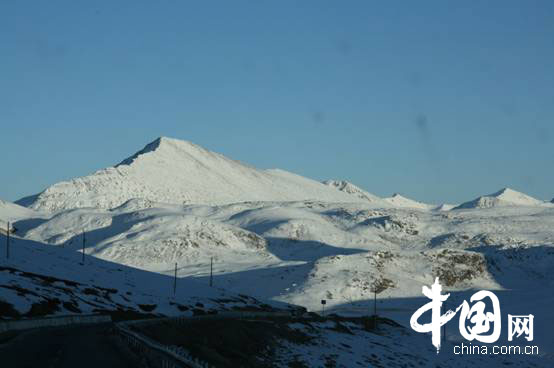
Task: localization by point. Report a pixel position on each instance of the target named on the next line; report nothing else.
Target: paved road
(82, 346)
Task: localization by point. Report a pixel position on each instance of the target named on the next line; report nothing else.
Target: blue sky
(440, 101)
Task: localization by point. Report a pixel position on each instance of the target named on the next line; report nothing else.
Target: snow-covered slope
(174, 171)
(349, 344)
(41, 280)
(11, 212)
(347, 187)
(305, 251)
(502, 198)
(398, 200)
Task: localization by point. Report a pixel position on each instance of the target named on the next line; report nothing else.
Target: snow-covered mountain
(503, 198)
(347, 187)
(398, 200)
(175, 171)
(444, 207)
(273, 235)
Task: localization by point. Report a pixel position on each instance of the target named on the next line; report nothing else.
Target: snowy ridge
(398, 200)
(347, 187)
(504, 197)
(174, 171)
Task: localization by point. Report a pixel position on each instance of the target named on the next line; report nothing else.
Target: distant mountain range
(174, 171)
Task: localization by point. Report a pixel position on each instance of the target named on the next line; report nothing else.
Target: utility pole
(375, 306)
(444, 326)
(8, 241)
(375, 301)
(83, 255)
(175, 280)
(211, 271)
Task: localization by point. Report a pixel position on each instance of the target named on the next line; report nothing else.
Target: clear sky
(441, 101)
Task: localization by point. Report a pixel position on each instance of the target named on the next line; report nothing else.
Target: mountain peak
(161, 143)
(514, 196)
(399, 200)
(174, 142)
(174, 171)
(504, 197)
(505, 191)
